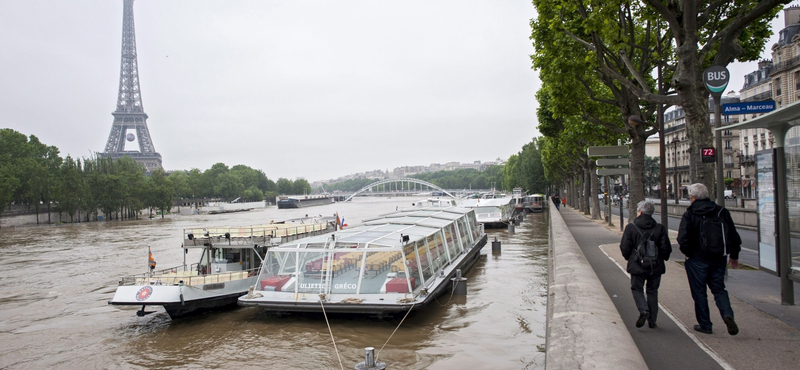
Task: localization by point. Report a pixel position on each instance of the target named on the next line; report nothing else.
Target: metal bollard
(510, 227)
(369, 361)
(459, 284)
(495, 245)
(369, 356)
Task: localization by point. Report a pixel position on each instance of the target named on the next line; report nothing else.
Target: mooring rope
(395, 330)
(452, 290)
(331, 331)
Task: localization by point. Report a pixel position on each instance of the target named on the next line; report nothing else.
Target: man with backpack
(707, 237)
(645, 245)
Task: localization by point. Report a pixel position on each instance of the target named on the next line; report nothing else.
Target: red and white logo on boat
(144, 293)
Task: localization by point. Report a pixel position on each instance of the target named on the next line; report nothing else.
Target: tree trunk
(694, 100)
(636, 183)
(587, 187)
(595, 200)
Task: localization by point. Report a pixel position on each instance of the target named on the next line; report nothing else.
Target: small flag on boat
(150, 260)
(342, 225)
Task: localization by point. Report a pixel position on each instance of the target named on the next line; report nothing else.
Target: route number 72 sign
(709, 155)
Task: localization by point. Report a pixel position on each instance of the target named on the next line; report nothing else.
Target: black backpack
(646, 251)
(712, 235)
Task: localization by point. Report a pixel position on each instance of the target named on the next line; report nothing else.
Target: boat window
(310, 278)
(464, 232)
(424, 261)
(444, 257)
(277, 271)
(435, 255)
(451, 240)
(473, 225)
(221, 255)
(487, 210)
(377, 272)
(411, 268)
(343, 272)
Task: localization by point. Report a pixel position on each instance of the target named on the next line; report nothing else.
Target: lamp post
(675, 142)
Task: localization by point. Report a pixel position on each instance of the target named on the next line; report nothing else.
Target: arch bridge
(400, 181)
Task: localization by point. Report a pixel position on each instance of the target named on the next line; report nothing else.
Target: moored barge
(395, 263)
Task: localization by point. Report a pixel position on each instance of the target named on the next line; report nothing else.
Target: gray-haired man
(705, 265)
(645, 266)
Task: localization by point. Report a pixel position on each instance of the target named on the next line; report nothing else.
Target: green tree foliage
(300, 187)
(33, 174)
(285, 186)
(511, 173)
(652, 172)
(530, 169)
(350, 185)
(624, 41)
(71, 191)
(160, 192)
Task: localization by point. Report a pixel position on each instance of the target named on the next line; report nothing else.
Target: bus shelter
(784, 124)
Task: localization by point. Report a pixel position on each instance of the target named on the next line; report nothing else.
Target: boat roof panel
(385, 230)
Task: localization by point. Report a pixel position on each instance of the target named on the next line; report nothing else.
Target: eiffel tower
(130, 120)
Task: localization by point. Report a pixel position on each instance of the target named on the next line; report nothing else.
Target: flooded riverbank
(57, 280)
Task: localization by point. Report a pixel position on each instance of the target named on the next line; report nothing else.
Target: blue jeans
(651, 302)
(700, 275)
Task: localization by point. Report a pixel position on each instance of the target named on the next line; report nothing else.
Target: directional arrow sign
(613, 171)
(613, 162)
(606, 151)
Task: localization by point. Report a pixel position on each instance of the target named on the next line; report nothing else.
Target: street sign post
(613, 171)
(613, 162)
(749, 107)
(716, 80)
(607, 151)
(709, 155)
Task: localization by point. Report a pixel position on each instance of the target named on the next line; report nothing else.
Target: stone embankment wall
(584, 329)
(27, 219)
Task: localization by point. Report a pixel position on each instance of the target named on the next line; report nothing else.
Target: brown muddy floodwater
(55, 282)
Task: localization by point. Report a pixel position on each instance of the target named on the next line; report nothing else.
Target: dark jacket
(630, 239)
(689, 236)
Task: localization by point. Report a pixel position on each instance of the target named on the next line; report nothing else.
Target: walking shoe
(642, 318)
(733, 329)
(700, 329)
(652, 325)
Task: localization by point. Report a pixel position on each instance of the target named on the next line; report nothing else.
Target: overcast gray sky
(303, 88)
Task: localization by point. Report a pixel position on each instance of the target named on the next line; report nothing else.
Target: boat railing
(249, 235)
(190, 276)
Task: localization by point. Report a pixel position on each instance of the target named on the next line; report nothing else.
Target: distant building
(779, 80)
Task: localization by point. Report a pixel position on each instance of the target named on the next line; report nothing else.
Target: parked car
(728, 194)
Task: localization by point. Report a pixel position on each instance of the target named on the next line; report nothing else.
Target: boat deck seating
(342, 262)
(399, 285)
(380, 261)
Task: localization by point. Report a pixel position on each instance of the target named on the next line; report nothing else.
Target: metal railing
(190, 276)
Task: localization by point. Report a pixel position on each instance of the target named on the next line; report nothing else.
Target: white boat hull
(181, 300)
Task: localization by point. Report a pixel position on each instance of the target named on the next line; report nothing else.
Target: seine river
(55, 282)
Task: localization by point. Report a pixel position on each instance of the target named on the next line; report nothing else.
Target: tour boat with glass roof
(394, 263)
(492, 212)
(230, 259)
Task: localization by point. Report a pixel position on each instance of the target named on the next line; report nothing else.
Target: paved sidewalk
(769, 337)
